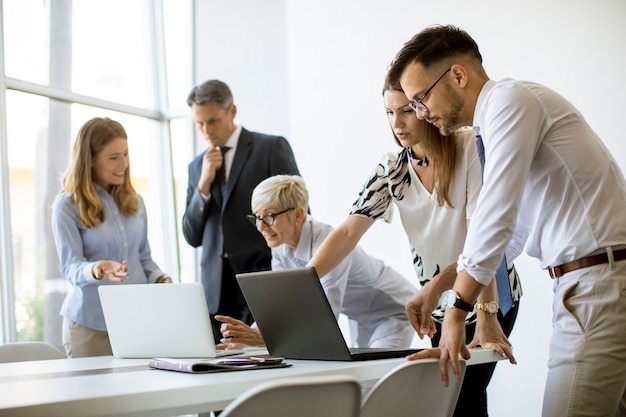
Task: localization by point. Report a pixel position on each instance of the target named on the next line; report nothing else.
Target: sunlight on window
(100, 49)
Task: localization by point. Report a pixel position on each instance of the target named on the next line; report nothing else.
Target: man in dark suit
(215, 215)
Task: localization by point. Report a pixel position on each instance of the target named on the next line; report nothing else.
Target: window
(66, 62)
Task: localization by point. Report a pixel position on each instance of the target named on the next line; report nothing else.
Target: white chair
(414, 389)
(319, 396)
(28, 351)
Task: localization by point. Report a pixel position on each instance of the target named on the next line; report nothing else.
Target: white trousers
(391, 333)
(587, 363)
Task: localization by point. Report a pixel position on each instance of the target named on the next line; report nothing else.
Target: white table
(107, 386)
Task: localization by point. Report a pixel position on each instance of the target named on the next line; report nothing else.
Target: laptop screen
(153, 320)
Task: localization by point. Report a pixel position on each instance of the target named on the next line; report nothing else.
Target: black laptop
(296, 320)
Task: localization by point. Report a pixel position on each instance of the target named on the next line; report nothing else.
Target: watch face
(449, 298)
(492, 308)
(452, 299)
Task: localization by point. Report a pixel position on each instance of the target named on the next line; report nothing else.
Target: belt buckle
(555, 271)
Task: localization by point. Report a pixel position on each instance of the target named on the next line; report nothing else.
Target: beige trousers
(587, 364)
(80, 341)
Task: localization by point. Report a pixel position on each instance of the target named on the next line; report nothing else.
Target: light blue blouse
(120, 237)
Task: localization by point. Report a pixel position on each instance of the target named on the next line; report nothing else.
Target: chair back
(327, 396)
(414, 389)
(28, 351)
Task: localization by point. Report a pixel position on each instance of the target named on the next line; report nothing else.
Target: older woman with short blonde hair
(370, 293)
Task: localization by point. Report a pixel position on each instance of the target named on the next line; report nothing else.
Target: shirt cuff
(205, 197)
(89, 272)
(481, 275)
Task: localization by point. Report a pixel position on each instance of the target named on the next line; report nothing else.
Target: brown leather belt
(601, 258)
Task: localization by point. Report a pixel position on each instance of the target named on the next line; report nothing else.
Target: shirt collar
(482, 97)
(304, 250)
(233, 140)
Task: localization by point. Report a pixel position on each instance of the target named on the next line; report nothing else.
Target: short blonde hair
(287, 191)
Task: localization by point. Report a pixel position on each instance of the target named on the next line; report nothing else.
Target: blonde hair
(78, 182)
(287, 191)
(440, 149)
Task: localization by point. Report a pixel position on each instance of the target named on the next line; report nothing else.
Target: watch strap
(463, 305)
(453, 300)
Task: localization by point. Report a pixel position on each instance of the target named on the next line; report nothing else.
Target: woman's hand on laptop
(164, 279)
(236, 334)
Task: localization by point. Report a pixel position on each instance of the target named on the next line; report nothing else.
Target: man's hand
(211, 162)
(452, 343)
(489, 335)
(237, 333)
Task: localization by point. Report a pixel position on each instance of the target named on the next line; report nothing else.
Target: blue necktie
(505, 299)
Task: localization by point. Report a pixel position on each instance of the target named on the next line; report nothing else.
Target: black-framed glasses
(268, 219)
(418, 103)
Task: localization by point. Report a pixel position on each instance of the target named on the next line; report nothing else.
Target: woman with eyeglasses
(371, 294)
(434, 182)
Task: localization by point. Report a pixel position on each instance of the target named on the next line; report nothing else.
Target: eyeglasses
(268, 219)
(418, 104)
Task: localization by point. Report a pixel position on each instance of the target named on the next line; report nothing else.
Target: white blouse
(436, 233)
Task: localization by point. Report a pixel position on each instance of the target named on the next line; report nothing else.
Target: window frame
(165, 213)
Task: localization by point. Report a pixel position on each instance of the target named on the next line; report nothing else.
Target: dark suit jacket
(216, 226)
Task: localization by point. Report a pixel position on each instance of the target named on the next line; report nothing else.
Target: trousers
(587, 359)
(80, 341)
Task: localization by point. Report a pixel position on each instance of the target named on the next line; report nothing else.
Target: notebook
(296, 320)
(159, 320)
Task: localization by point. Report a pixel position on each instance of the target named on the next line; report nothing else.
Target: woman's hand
(419, 309)
(424, 354)
(235, 334)
(164, 279)
(111, 270)
(489, 335)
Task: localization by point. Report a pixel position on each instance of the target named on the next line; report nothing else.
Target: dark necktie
(221, 173)
(505, 299)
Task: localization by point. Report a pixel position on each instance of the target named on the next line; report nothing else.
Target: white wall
(313, 71)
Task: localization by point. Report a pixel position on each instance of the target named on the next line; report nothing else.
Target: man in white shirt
(551, 186)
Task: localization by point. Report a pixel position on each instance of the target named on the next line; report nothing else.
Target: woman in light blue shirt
(100, 230)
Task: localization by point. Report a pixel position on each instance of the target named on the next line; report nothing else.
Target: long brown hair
(92, 138)
(441, 150)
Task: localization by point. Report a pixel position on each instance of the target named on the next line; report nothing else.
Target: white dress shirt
(231, 143)
(550, 184)
(361, 286)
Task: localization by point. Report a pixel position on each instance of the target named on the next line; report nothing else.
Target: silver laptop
(296, 320)
(159, 320)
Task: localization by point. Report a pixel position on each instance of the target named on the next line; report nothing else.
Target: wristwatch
(490, 307)
(453, 300)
